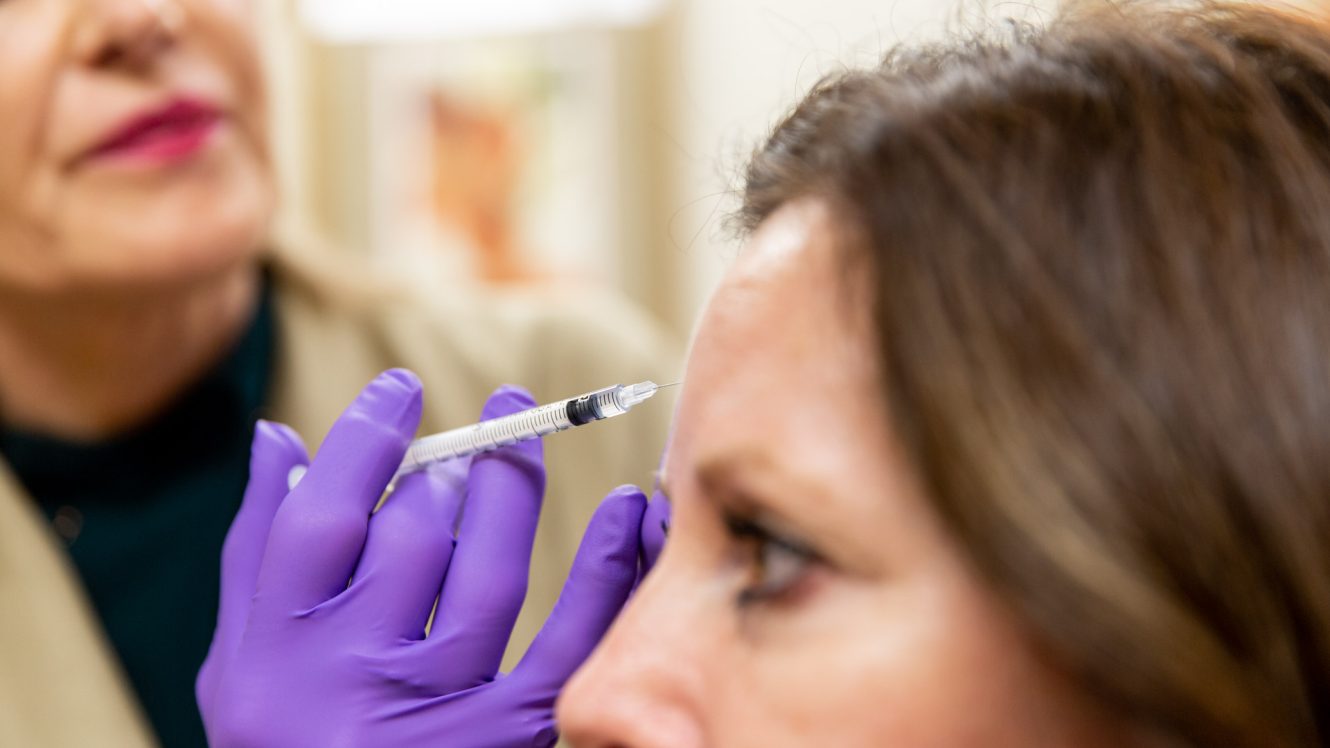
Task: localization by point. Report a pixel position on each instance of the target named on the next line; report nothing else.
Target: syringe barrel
(499, 432)
(487, 436)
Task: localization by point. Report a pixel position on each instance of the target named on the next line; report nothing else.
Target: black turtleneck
(144, 515)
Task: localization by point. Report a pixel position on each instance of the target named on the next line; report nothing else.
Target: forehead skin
(771, 312)
(782, 398)
(781, 370)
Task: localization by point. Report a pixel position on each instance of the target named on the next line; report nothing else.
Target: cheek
(234, 22)
(923, 663)
(836, 672)
(228, 30)
(30, 64)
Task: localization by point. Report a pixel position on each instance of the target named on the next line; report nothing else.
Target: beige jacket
(336, 328)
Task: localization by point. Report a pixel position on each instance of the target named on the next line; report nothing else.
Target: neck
(85, 369)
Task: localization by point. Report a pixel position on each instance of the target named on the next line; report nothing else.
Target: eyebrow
(784, 494)
(784, 498)
(711, 474)
(726, 472)
(721, 478)
(715, 473)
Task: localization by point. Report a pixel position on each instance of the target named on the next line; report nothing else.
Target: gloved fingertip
(655, 529)
(613, 531)
(507, 399)
(660, 508)
(265, 432)
(628, 493)
(278, 442)
(289, 436)
(395, 398)
(405, 378)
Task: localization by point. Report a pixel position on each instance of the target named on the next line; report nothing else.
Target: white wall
(739, 65)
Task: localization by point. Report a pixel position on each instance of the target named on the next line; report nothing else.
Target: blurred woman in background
(147, 318)
(1011, 427)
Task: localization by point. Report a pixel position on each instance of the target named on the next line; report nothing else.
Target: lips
(172, 132)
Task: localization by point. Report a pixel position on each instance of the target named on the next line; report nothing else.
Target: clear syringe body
(543, 420)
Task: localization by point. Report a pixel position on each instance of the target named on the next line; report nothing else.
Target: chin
(179, 245)
(184, 260)
(193, 264)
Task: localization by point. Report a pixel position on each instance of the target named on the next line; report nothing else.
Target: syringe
(487, 436)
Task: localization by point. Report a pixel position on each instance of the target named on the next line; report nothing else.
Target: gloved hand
(655, 530)
(301, 658)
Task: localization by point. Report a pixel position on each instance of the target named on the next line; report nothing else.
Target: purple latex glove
(655, 526)
(301, 658)
(655, 530)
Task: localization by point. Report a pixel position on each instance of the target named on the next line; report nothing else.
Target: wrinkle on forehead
(778, 323)
(782, 392)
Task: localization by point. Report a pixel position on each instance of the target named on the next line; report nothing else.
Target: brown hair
(1100, 258)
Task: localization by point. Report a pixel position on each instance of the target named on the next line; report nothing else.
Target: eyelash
(759, 545)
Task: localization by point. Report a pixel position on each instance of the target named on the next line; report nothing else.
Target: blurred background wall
(570, 142)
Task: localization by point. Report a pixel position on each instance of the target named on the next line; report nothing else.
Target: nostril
(137, 56)
(133, 38)
(109, 57)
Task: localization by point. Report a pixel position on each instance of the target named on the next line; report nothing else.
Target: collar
(222, 404)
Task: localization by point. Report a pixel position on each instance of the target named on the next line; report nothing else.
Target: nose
(127, 34)
(643, 685)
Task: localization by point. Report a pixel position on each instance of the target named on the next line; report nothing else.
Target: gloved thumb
(276, 453)
(655, 530)
(602, 576)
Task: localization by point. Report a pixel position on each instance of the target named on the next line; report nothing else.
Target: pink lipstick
(171, 133)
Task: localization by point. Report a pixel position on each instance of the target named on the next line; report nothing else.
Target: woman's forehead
(795, 240)
(785, 296)
(769, 305)
(775, 334)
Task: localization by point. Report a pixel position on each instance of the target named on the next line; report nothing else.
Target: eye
(776, 565)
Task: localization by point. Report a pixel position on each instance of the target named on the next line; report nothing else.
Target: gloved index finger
(487, 580)
(319, 531)
(406, 555)
(601, 578)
